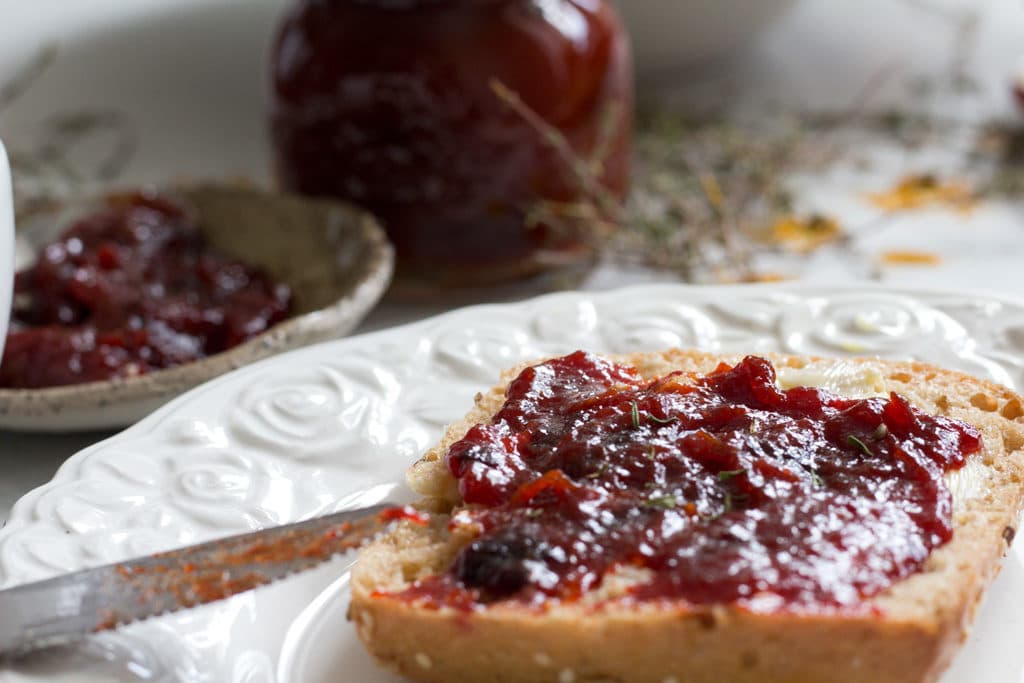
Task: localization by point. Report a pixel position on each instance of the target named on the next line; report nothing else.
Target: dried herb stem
(23, 79)
(587, 179)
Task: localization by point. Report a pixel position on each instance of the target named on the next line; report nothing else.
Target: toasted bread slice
(910, 634)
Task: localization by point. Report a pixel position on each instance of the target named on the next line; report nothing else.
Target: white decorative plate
(335, 425)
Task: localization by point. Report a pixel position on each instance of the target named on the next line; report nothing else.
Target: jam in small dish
(129, 289)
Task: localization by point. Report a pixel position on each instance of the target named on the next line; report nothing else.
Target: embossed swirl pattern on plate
(239, 457)
(115, 656)
(291, 437)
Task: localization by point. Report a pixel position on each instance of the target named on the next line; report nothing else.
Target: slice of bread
(910, 634)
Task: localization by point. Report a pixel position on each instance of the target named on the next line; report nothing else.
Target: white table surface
(812, 56)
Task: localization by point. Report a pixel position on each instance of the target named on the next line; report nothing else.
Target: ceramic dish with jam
(310, 271)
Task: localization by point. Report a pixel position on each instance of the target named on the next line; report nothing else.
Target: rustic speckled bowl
(335, 258)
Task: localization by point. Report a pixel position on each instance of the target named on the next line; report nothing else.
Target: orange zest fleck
(898, 257)
(712, 190)
(805, 234)
(767, 277)
(924, 189)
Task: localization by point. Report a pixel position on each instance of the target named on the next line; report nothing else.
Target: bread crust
(909, 633)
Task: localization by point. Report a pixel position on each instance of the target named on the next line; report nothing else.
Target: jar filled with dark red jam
(464, 125)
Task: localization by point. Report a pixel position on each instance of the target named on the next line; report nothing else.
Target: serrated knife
(69, 607)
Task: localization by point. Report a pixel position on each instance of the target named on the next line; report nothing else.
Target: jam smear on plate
(721, 488)
(130, 289)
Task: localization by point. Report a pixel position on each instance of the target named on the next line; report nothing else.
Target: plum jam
(392, 104)
(130, 289)
(724, 488)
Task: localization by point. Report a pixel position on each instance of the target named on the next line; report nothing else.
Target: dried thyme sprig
(23, 79)
(582, 170)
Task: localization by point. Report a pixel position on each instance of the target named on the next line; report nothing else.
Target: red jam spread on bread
(129, 289)
(725, 487)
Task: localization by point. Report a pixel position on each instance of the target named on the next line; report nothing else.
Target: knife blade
(69, 607)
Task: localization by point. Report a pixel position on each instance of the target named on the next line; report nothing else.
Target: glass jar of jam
(455, 121)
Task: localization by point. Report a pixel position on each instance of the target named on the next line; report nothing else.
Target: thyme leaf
(663, 502)
(732, 498)
(726, 475)
(663, 420)
(635, 411)
(859, 445)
